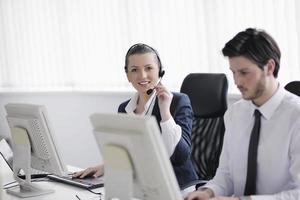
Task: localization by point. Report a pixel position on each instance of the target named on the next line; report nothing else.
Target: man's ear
(270, 66)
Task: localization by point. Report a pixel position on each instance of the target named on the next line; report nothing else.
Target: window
(76, 45)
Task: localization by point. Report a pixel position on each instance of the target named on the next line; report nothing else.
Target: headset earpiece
(161, 72)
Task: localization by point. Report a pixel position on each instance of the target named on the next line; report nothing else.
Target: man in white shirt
(254, 59)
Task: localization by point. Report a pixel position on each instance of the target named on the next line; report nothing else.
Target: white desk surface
(62, 191)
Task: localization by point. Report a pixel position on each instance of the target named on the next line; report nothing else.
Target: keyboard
(35, 176)
(87, 183)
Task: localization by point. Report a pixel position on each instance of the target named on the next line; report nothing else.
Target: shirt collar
(269, 107)
(131, 106)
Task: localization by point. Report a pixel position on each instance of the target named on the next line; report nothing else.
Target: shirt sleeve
(285, 195)
(222, 183)
(171, 134)
(182, 114)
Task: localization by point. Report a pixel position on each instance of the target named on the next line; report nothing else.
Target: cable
(98, 193)
(6, 186)
(150, 104)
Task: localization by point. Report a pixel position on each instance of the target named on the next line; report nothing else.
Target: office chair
(208, 95)
(293, 87)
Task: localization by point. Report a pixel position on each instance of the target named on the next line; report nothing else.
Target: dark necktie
(250, 187)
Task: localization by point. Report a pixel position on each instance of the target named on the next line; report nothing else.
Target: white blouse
(171, 132)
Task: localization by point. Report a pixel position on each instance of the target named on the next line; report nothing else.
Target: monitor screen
(135, 159)
(33, 143)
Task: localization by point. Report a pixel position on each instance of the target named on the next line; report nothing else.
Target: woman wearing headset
(173, 111)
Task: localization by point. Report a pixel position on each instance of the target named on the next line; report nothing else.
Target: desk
(62, 191)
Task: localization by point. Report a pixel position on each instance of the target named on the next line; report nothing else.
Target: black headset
(133, 47)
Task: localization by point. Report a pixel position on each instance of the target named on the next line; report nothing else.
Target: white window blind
(75, 45)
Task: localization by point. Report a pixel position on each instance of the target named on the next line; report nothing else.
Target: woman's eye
(149, 68)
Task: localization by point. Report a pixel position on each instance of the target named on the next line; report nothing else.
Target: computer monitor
(34, 147)
(136, 163)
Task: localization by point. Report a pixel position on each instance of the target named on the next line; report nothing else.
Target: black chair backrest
(208, 95)
(293, 87)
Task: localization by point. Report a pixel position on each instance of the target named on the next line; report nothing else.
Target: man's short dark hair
(256, 45)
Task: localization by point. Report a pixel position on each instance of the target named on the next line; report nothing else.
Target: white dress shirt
(171, 132)
(278, 157)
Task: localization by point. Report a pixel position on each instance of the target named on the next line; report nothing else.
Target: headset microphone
(162, 73)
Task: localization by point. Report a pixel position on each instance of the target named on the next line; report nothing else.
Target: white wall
(69, 115)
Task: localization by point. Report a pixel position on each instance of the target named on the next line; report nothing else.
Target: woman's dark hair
(256, 45)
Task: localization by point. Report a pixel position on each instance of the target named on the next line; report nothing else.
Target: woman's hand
(198, 195)
(164, 101)
(91, 171)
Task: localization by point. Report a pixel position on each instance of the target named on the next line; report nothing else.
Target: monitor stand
(28, 191)
(118, 172)
(22, 161)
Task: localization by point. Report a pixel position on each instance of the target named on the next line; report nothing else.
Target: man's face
(248, 77)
